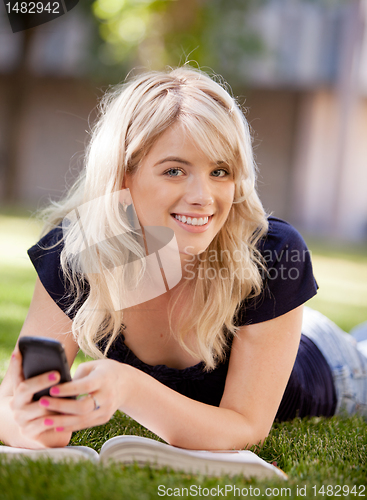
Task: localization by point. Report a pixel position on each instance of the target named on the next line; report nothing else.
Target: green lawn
(313, 452)
(341, 272)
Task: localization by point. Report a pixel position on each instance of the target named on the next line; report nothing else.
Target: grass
(314, 452)
(341, 272)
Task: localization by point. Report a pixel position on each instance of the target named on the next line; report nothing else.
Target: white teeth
(193, 221)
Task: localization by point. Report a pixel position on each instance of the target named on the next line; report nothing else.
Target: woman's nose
(199, 192)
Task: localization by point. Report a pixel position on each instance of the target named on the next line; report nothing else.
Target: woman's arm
(261, 361)
(44, 319)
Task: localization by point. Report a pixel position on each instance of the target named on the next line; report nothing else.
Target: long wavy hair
(133, 116)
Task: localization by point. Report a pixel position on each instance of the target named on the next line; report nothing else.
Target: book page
(140, 450)
(55, 454)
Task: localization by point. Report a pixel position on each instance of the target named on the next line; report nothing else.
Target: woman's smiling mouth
(193, 224)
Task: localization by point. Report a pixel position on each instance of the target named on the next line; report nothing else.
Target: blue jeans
(346, 356)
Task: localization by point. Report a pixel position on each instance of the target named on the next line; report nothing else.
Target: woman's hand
(28, 413)
(100, 385)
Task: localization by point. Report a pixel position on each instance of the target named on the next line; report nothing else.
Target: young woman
(210, 363)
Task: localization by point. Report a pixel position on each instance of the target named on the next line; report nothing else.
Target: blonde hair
(133, 116)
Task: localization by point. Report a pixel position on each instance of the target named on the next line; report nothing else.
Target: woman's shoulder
(281, 234)
(280, 227)
(45, 256)
(283, 244)
(50, 242)
(288, 279)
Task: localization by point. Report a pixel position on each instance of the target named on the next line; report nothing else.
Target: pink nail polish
(48, 421)
(44, 402)
(13, 356)
(54, 391)
(52, 376)
(59, 429)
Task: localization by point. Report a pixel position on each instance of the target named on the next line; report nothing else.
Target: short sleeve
(289, 280)
(45, 257)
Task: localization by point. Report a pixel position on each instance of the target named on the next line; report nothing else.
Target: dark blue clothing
(287, 284)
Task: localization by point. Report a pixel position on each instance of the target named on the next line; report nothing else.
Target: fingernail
(59, 429)
(44, 402)
(48, 421)
(13, 356)
(54, 391)
(52, 376)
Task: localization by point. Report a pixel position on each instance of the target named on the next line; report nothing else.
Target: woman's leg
(347, 362)
(359, 333)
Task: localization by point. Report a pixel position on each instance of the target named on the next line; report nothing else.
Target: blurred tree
(157, 33)
(132, 33)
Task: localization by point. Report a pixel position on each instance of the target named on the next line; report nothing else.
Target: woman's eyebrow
(173, 158)
(181, 160)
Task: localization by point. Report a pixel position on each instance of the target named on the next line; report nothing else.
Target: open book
(143, 451)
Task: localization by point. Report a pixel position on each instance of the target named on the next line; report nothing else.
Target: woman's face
(178, 187)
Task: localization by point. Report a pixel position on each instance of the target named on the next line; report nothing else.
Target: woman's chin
(191, 253)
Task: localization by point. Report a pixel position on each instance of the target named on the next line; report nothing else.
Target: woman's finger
(85, 381)
(84, 369)
(80, 406)
(42, 426)
(27, 388)
(64, 423)
(31, 412)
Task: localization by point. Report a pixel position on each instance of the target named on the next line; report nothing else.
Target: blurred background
(299, 67)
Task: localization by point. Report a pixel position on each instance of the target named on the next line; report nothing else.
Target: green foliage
(124, 24)
(321, 448)
(157, 33)
(313, 452)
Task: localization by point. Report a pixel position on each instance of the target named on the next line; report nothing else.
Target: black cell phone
(42, 355)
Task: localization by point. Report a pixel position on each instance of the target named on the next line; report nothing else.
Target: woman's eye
(173, 172)
(177, 172)
(220, 172)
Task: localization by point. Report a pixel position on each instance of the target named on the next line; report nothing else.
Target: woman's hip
(347, 363)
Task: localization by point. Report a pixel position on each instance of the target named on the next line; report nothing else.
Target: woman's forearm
(182, 421)
(177, 419)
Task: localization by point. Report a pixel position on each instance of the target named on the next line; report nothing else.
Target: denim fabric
(346, 359)
(360, 334)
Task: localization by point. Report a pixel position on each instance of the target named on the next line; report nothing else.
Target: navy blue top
(287, 284)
